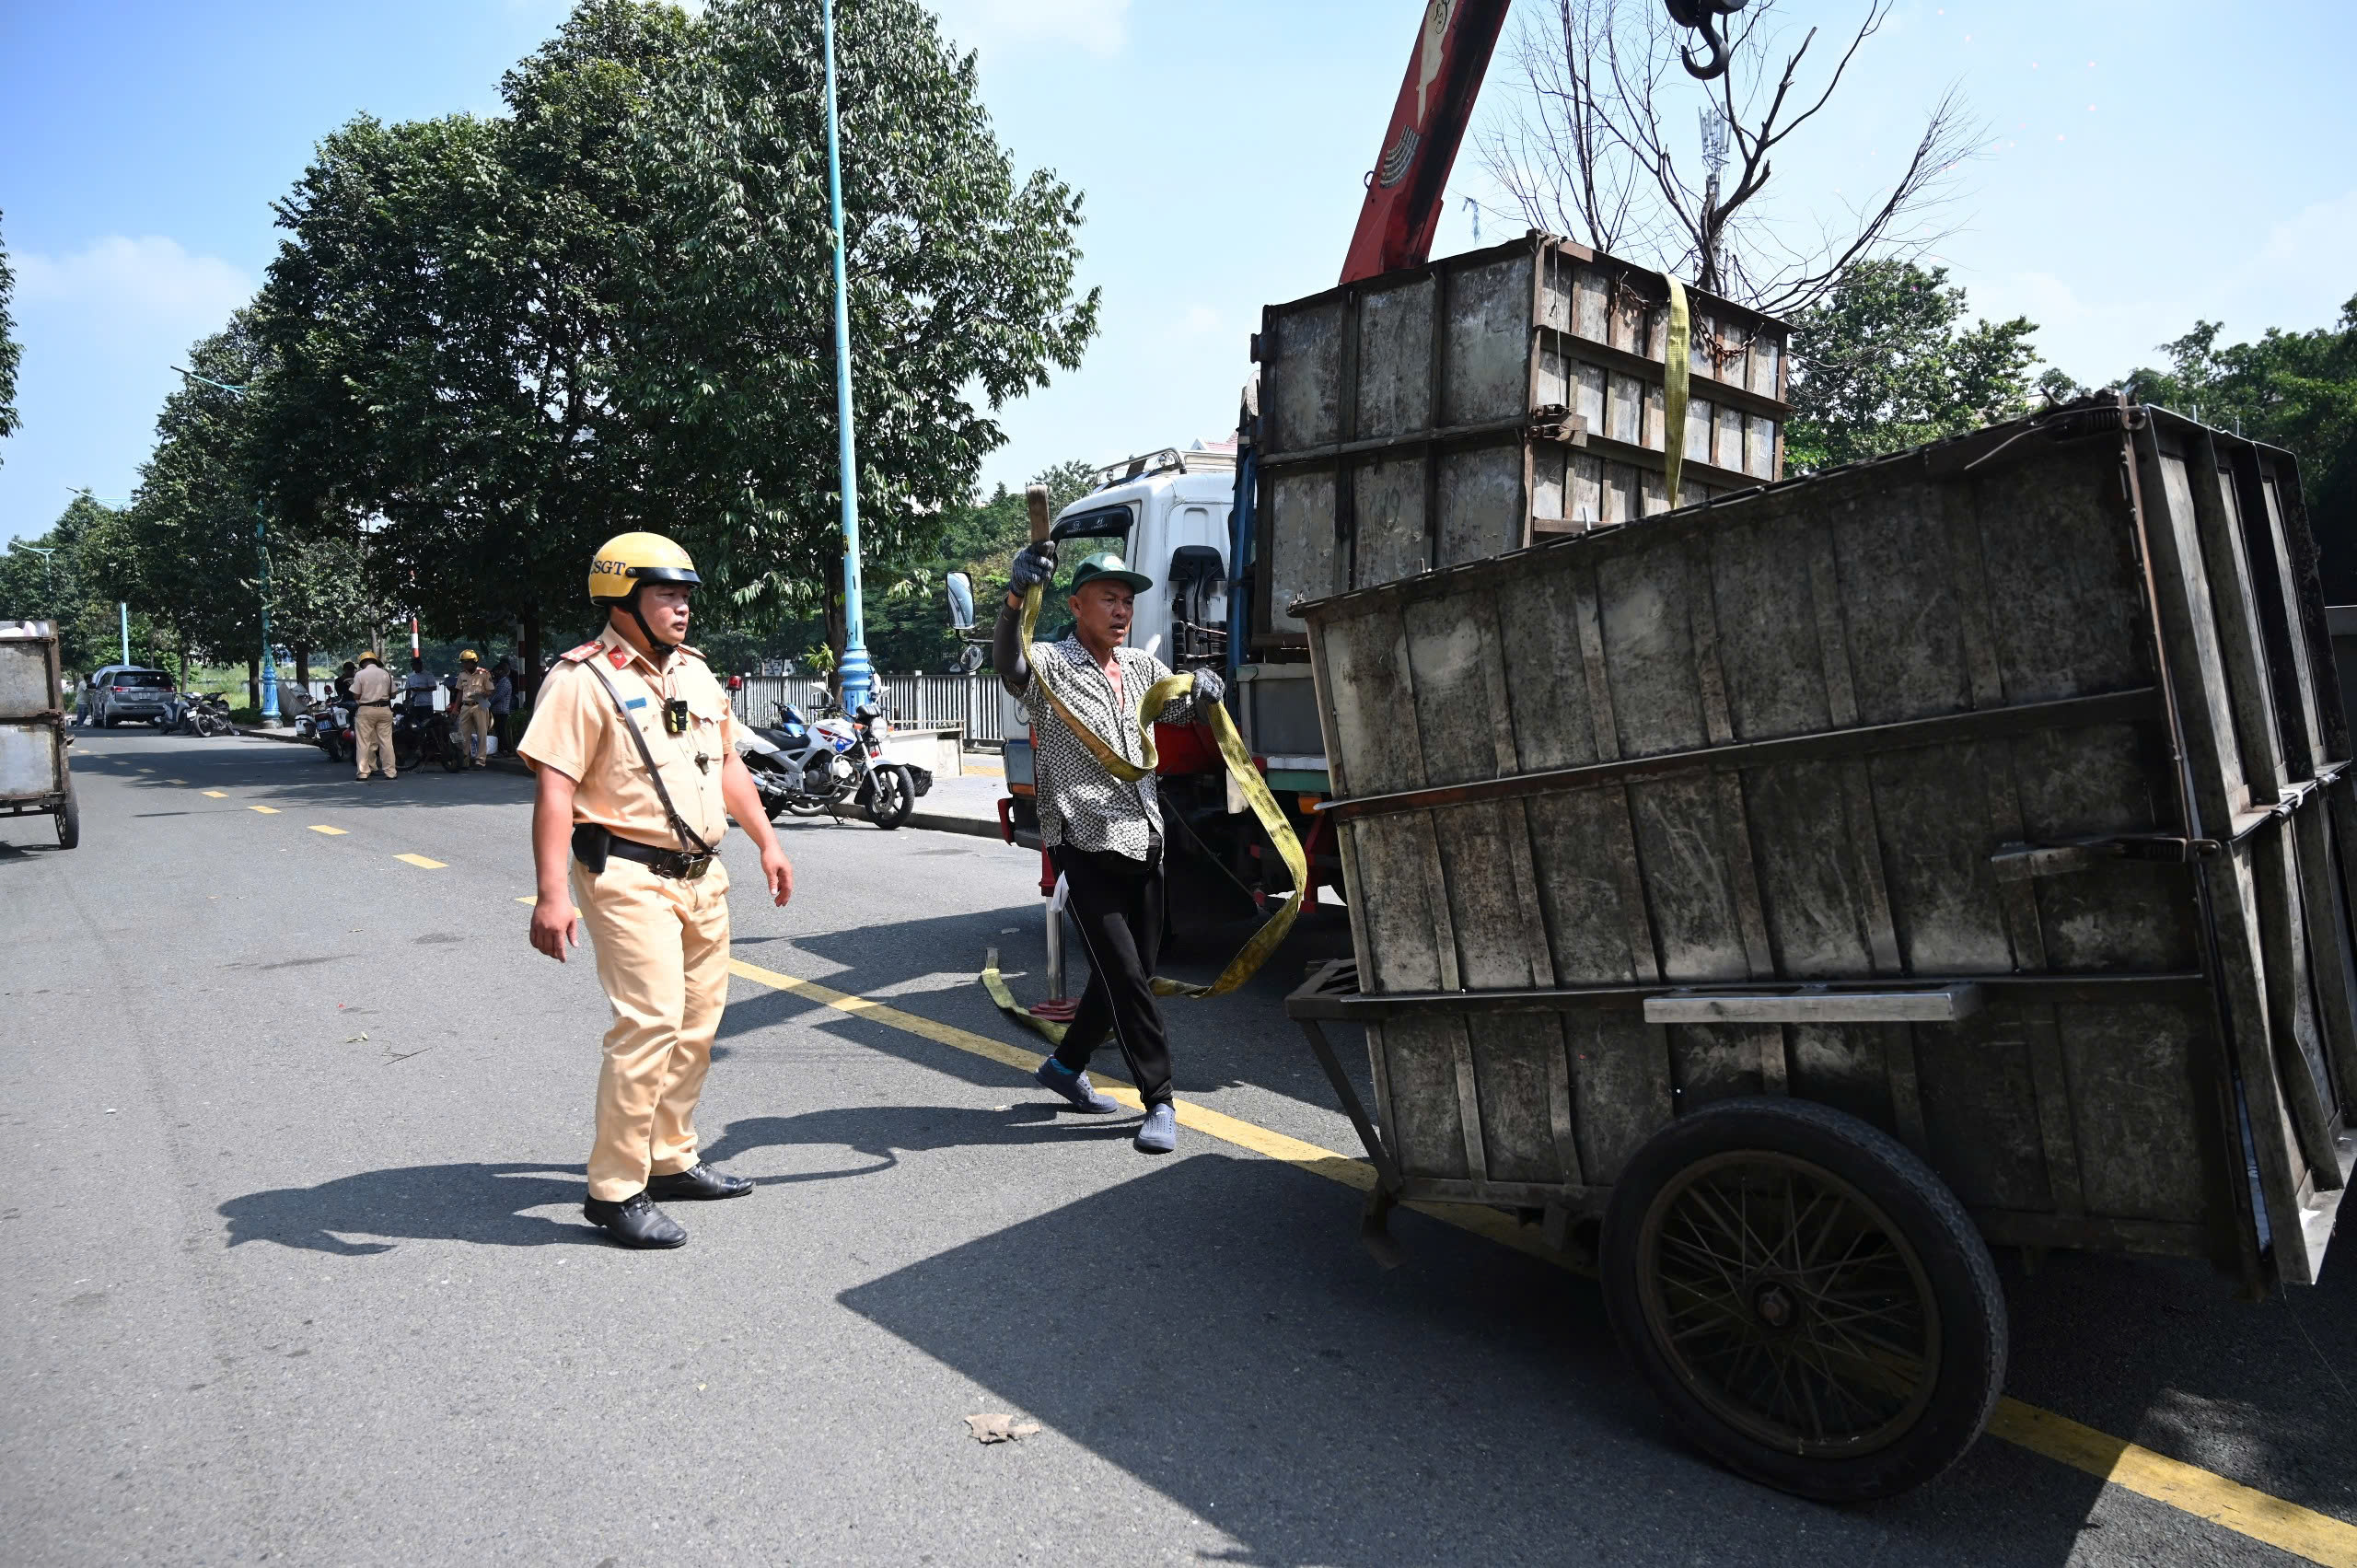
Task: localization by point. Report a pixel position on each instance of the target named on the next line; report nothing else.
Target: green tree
(2297, 391)
(319, 598)
(908, 626)
(189, 553)
(444, 314)
(59, 576)
(961, 285)
(10, 352)
(1884, 363)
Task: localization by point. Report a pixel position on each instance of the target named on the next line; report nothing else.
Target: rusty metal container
(34, 776)
(1947, 851)
(1457, 411)
(1910, 729)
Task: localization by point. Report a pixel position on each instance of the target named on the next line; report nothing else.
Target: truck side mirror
(962, 600)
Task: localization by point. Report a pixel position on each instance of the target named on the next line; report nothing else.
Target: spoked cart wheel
(1807, 1299)
(69, 821)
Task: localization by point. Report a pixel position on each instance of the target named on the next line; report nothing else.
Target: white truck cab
(1167, 512)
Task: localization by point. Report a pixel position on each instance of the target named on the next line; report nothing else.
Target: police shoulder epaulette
(582, 653)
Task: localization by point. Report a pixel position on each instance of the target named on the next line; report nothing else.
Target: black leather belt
(672, 862)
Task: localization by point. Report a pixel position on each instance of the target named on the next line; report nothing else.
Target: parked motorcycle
(422, 736)
(831, 764)
(199, 713)
(330, 729)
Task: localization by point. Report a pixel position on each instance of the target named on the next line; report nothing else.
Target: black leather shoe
(634, 1222)
(698, 1181)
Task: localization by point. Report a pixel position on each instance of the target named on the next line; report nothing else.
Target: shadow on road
(1243, 1358)
(483, 1204)
(882, 1134)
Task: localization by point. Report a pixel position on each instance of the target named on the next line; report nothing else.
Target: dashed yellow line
(430, 863)
(265, 811)
(331, 832)
(2229, 1504)
(530, 899)
(176, 780)
(217, 794)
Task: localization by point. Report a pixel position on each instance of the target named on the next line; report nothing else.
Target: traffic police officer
(474, 707)
(634, 746)
(372, 715)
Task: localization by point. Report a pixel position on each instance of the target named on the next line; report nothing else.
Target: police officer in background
(634, 750)
(473, 692)
(372, 715)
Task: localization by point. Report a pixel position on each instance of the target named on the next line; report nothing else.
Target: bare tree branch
(1587, 149)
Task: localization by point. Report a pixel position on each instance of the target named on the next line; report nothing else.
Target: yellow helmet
(466, 655)
(628, 560)
(371, 653)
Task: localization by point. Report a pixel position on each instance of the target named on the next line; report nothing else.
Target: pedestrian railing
(916, 700)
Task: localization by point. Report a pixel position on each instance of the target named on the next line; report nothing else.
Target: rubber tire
(1955, 1261)
(904, 786)
(454, 760)
(69, 821)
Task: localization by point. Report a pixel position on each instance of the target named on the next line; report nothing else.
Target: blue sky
(2147, 163)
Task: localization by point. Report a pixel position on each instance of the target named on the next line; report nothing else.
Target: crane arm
(1405, 189)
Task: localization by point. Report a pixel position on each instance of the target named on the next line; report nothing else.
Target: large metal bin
(1993, 798)
(1456, 411)
(34, 778)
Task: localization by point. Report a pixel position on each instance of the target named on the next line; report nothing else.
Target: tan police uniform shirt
(575, 730)
(373, 683)
(474, 686)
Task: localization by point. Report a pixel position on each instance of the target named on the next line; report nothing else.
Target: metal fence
(917, 701)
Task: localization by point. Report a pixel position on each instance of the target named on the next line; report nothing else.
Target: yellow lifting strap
(1678, 363)
(1049, 668)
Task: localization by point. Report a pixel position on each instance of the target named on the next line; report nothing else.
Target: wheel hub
(1774, 1306)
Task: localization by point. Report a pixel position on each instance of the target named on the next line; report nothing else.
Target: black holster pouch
(590, 841)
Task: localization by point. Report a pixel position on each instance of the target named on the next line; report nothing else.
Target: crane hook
(1699, 15)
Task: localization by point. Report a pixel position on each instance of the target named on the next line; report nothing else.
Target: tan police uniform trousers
(474, 725)
(662, 948)
(372, 737)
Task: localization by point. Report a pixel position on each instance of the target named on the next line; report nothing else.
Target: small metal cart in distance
(1782, 900)
(34, 777)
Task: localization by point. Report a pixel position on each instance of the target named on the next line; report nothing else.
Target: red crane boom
(1405, 189)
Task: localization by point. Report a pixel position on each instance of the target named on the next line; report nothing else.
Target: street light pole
(268, 665)
(856, 674)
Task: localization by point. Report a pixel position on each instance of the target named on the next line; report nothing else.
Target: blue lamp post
(856, 673)
(268, 665)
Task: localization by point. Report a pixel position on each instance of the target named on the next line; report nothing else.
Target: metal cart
(33, 773)
(1782, 900)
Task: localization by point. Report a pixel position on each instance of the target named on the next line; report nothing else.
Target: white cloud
(2296, 276)
(1097, 26)
(125, 289)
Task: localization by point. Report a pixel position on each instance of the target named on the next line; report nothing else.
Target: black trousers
(1117, 904)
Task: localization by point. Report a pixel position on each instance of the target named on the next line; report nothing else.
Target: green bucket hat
(1108, 564)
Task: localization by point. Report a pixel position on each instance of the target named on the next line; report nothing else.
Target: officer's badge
(620, 657)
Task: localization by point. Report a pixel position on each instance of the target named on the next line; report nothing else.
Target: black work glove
(1034, 564)
(1209, 688)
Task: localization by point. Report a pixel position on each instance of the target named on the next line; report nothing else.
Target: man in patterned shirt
(1104, 835)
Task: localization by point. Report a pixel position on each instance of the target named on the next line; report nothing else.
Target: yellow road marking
(421, 860)
(2304, 1532)
(147, 770)
(218, 793)
(530, 899)
(176, 780)
(265, 811)
(323, 828)
(2318, 1537)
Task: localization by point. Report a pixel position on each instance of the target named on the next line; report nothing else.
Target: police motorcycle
(828, 765)
(330, 725)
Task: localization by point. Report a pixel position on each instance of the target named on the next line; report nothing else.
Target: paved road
(294, 1266)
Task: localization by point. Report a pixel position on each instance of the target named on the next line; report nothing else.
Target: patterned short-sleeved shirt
(1080, 803)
